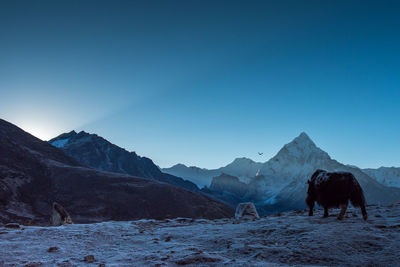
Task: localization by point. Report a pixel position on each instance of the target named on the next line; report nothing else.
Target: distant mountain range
(276, 185)
(243, 168)
(389, 176)
(96, 152)
(280, 183)
(34, 174)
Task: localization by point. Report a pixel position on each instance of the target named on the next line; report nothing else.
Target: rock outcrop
(229, 184)
(246, 211)
(60, 216)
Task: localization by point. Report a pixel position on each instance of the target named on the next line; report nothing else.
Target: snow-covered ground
(291, 238)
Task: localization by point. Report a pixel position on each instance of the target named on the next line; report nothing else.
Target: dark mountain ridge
(34, 174)
(96, 152)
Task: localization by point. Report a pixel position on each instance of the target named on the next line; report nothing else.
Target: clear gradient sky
(203, 82)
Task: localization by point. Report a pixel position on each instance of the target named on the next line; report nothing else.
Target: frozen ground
(293, 238)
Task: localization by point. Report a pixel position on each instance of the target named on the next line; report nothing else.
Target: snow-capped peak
(302, 147)
(296, 159)
(303, 141)
(303, 138)
(290, 168)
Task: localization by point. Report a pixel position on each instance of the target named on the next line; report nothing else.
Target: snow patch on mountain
(60, 143)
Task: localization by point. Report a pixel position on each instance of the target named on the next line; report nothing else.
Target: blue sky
(203, 82)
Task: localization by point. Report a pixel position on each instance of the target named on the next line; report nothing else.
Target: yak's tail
(357, 195)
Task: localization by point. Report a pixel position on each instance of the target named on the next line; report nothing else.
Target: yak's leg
(310, 213)
(342, 211)
(326, 212)
(364, 212)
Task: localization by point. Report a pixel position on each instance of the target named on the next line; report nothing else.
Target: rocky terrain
(34, 174)
(287, 239)
(228, 189)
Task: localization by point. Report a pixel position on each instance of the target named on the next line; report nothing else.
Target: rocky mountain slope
(34, 173)
(94, 151)
(389, 176)
(287, 239)
(228, 189)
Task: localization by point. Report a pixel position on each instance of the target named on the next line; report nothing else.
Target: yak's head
(311, 192)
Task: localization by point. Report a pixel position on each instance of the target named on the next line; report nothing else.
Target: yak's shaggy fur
(335, 189)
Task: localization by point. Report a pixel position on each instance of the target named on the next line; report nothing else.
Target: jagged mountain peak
(301, 147)
(80, 138)
(64, 136)
(83, 133)
(302, 141)
(92, 136)
(241, 161)
(303, 138)
(65, 139)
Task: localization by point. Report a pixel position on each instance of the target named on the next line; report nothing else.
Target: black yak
(335, 189)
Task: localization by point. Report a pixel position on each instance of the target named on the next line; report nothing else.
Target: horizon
(234, 159)
(204, 83)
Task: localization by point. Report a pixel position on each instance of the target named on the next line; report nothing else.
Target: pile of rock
(246, 211)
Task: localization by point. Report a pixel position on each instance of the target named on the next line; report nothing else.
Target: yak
(335, 189)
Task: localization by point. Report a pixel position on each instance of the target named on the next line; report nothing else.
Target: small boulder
(199, 259)
(247, 211)
(60, 216)
(52, 249)
(33, 264)
(12, 225)
(89, 259)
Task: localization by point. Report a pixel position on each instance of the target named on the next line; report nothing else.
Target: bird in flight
(260, 153)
